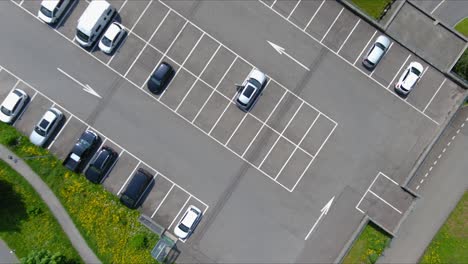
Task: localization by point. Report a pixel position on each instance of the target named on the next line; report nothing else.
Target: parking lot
(350, 38)
(164, 201)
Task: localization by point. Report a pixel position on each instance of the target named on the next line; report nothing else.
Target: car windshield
(184, 228)
(84, 143)
(415, 71)
(46, 12)
(106, 41)
(155, 81)
(6, 111)
(255, 82)
(380, 45)
(82, 36)
(40, 131)
(44, 123)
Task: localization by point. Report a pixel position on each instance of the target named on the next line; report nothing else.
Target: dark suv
(135, 189)
(82, 151)
(101, 164)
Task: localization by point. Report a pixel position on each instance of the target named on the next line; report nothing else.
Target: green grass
(371, 7)
(107, 225)
(368, 246)
(462, 27)
(450, 244)
(26, 223)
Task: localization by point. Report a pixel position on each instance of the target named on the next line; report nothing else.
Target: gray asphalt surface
(440, 191)
(251, 218)
(86, 254)
(448, 11)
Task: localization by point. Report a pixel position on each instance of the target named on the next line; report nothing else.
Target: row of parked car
(84, 151)
(408, 78)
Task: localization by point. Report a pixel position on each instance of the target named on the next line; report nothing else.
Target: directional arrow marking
(324, 212)
(282, 51)
(86, 87)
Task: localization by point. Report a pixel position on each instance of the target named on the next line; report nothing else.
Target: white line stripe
(433, 96)
(334, 21)
(368, 188)
(433, 10)
(394, 208)
(60, 131)
(183, 206)
(128, 178)
(294, 9)
(399, 70)
(396, 183)
(141, 15)
(162, 201)
(222, 114)
(274, 2)
(235, 130)
(363, 49)
(313, 16)
(349, 35)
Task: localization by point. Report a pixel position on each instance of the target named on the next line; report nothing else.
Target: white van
(94, 19)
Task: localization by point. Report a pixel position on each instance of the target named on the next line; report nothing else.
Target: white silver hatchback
(409, 78)
(112, 37)
(12, 105)
(188, 222)
(376, 52)
(46, 127)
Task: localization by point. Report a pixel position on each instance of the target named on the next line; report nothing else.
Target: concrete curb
(52, 202)
(352, 239)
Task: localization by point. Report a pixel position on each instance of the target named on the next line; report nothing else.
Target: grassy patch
(107, 226)
(462, 27)
(450, 244)
(368, 247)
(26, 223)
(371, 7)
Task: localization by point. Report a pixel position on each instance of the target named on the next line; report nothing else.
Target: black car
(82, 151)
(101, 164)
(160, 78)
(135, 189)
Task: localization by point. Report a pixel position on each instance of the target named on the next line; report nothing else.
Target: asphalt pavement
(6, 254)
(448, 11)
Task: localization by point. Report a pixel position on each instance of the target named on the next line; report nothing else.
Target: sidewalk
(6, 255)
(53, 203)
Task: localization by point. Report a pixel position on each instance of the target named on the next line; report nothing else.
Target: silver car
(188, 222)
(46, 127)
(12, 105)
(409, 78)
(376, 52)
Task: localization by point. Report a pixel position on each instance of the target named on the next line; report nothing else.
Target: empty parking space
(260, 146)
(167, 31)
(285, 7)
(71, 131)
(276, 157)
(200, 56)
(324, 19)
(32, 6)
(272, 94)
(317, 135)
(150, 20)
(179, 86)
(236, 75)
(340, 30)
(443, 100)
(304, 12)
(127, 54)
(357, 41)
(161, 188)
(173, 203)
(294, 168)
(425, 88)
(210, 113)
(301, 122)
(194, 100)
(390, 64)
(284, 112)
(218, 66)
(184, 44)
(7, 83)
(227, 123)
(121, 172)
(143, 66)
(244, 134)
(131, 11)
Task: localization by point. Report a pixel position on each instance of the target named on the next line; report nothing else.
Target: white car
(376, 52)
(112, 37)
(46, 127)
(409, 78)
(188, 222)
(249, 92)
(12, 105)
(51, 10)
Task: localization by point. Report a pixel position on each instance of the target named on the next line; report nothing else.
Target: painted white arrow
(324, 212)
(282, 51)
(86, 87)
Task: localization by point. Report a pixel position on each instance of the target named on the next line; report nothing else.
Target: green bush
(139, 241)
(45, 257)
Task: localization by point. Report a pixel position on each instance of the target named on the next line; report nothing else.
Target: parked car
(409, 78)
(112, 37)
(81, 151)
(188, 222)
(160, 78)
(46, 127)
(249, 92)
(136, 188)
(51, 10)
(376, 52)
(93, 21)
(12, 105)
(101, 164)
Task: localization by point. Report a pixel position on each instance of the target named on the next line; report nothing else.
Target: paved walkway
(6, 255)
(53, 203)
(440, 191)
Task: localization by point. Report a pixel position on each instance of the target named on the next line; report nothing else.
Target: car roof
(139, 179)
(189, 218)
(49, 115)
(11, 100)
(49, 4)
(375, 54)
(92, 14)
(113, 30)
(162, 70)
(383, 40)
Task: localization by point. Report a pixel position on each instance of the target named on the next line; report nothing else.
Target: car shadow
(64, 18)
(56, 131)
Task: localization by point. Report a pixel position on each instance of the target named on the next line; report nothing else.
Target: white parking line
(298, 144)
(313, 16)
(349, 35)
(363, 49)
(433, 10)
(394, 208)
(222, 114)
(128, 178)
(162, 201)
(294, 9)
(432, 98)
(141, 15)
(235, 130)
(334, 21)
(368, 188)
(198, 78)
(213, 91)
(183, 206)
(396, 74)
(274, 2)
(60, 132)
